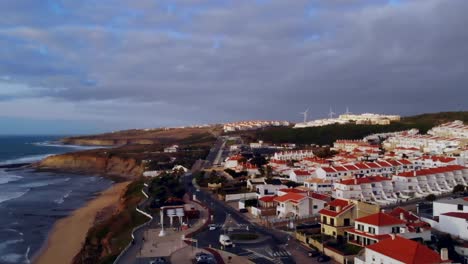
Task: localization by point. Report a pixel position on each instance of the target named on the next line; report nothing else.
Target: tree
(431, 198)
(459, 188)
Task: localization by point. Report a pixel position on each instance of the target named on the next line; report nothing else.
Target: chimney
(414, 173)
(383, 210)
(355, 181)
(392, 236)
(338, 208)
(444, 254)
(402, 216)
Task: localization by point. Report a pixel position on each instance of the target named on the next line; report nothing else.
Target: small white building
(318, 185)
(459, 205)
(300, 176)
(454, 223)
(171, 149)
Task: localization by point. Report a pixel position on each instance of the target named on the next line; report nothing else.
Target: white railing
(135, 228)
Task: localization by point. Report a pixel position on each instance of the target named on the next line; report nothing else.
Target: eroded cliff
(91, 163)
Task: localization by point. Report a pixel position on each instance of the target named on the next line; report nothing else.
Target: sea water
(31, 202)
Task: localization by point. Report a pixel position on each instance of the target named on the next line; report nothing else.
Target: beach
(68, 234)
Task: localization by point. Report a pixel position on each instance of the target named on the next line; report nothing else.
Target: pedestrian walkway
(156, 246)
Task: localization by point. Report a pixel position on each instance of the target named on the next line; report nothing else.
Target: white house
(459, 205)
(293, 154)
(318, 185)
(299, 176)
(399, 250)
(454, 223)
(296, 204)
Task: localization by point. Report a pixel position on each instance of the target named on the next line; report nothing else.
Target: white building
(296, 204)
(454, 223)
(171, 149)
(459, 205)
(399, 250)
(455, 129)
(233, 162)
(293, 154)
(376, 189)
(428, 144)
(300, 176)
(317, 185)
(420, 183)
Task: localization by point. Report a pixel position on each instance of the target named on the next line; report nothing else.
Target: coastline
(66, 238)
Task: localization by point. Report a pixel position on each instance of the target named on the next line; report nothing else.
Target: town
(396, 197)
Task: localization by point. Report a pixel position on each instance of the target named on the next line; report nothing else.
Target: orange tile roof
(294, 197)
(380, 219)
(268, 199)
(406, 251)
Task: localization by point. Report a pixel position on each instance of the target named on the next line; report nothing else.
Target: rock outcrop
(93, 163)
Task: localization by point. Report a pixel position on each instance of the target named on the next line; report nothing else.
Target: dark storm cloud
(206, 61)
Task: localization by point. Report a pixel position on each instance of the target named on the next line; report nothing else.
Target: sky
(88, 66)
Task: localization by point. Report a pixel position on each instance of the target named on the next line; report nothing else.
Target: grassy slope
(328, 134)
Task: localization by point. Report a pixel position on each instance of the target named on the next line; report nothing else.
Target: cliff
(91, 163)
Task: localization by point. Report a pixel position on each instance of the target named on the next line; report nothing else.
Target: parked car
(159, 261)
(323, 258)
(243, 210)
(313, 253)
(204, 258)
(212, 227)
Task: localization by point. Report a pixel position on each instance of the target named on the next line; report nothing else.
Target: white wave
(13, 230)
(9, 178)
(44, 183)
(5, 196)
(60, 145)
(26, 255)
(26, 159)
(62, 199)
(11, 258)
(5, 244)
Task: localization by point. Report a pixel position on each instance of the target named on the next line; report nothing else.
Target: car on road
(225, 240)
(212, 227)
(159, 261)
(204, 258)
(323, 258)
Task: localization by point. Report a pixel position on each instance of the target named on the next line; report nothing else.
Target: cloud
(213, 61)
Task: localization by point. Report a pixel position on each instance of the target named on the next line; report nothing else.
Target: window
(360, 227)
(324, 219)
(395, 229)
(371, 230)
(346, 222)
(315, 206)
(460, 207)
(332, 221)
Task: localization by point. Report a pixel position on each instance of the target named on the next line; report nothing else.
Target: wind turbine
(305, 114)
(347, 111)
(331, 113)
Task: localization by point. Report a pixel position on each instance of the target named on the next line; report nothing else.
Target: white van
(225, 240)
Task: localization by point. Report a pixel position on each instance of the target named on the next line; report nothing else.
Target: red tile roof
(408, 216)
(293, 197)
(301, 173)
(363, 180)
(291, 190)
(457, 215)
(268, 199)
(319, 196)
(345, 206)
(380, 219)
(406, 251)
(430, 171)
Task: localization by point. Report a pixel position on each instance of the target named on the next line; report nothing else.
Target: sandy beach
(68, 234)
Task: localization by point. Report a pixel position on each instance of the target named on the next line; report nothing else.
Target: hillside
(328, 134)
(187, 135)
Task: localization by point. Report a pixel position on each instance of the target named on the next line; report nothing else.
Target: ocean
(31, 202)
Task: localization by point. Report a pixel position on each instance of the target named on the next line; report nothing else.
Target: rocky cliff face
(127, 168)
(105, 142)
